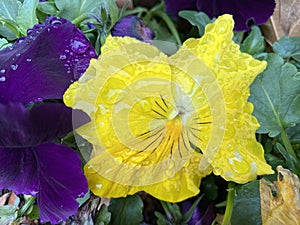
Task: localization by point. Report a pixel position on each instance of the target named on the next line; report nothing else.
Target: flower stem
(27, 205)
(287, 143)
(229, 204)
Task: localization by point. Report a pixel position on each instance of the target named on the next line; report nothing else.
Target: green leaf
(275, 94)
(27, 15)
(48, 8)
(104, 216)
(246, 209)
(71, 9)
(199, 19)
(8, 13)
(126, 211)
(287, 47)
(254, 43)
(3, 43)
(9, 9)
(161, 220)
(35, 213)
(294, 133)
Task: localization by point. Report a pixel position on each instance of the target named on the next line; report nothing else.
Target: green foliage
(27, 16)
(275, 94)
(288, 47)
(72, 9)
(8, 13)
(3, 43)
(199, 19)
(104, 216)
(254, 42)
(16, 17)
(126, 211)
(9, 213)
(246, 209)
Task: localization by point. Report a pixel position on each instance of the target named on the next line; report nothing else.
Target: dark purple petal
(49, 171)
(174, 6)
(61, 181)
(133, 26)
(245, 13)
(43, 64)
(21, 127)
(18, 170)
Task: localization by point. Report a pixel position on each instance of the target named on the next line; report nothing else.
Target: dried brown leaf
(284, 22)
(280, 201)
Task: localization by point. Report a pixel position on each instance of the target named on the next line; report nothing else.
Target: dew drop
(55, 22)
(2, 71)
(92, 54)
(99, 186)
(62, 56)
(218, 171)
(18, 54)
(14, 66)
(39, 99)
(222, 27)
(79, 45)
(28, 60)
(33, 193)
(29, 31)
(2, 79)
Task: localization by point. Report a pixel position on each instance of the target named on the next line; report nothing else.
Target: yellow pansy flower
(161, 123)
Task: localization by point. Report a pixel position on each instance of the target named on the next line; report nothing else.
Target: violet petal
(133, 26)
(49, 171)
(20, 127)
(44, 63)
(61, 181)
(174, 6)
(18, 170)
(245, 13)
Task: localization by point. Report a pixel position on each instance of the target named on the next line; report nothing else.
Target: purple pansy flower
(245, 13)
(133, 26)
(34, 69)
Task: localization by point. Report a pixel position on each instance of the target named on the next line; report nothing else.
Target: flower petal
(184, 184)
(53, 174)
(61, 181)
(174, 6)
(44, 63)
(240, 157)
(21, 127)
(245, 13)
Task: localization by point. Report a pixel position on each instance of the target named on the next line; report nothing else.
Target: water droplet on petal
(63, 56)
(33, 193)
(80, 68)
(29, 31)
(14, 66)
(92, 54)
(2, 71)
(55, 21)
(18, 54)
(39, 99)
(222, 27)
(28, 60)
(79, 45)
(2, 79)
